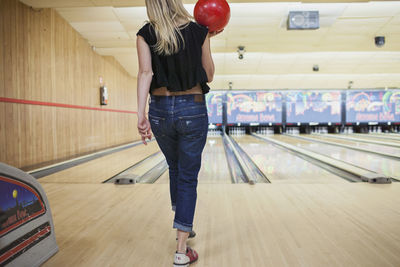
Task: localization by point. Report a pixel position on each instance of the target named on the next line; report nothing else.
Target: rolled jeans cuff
(182, 227)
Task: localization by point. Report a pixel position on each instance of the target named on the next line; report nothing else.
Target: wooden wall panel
(2, 92)
(2, 43)
(2, 130)
(42, 58)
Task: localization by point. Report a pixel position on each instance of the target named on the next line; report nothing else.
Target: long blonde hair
(164, 16)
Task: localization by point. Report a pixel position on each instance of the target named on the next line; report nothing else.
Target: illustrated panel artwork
(254, 107)
(313, 106)
(373, 106)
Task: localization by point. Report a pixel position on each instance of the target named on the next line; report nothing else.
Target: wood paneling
(43, 58)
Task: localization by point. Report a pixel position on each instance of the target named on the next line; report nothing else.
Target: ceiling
(275, 58)
(134, 3)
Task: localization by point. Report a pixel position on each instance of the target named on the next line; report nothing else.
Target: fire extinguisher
(103, 95)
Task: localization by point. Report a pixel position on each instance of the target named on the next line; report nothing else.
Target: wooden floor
(237, 225)
(279, 224)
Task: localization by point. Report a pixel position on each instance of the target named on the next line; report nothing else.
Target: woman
(175, 65)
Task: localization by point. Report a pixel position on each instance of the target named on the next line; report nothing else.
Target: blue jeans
(180, 125)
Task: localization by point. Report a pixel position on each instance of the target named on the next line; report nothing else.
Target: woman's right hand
(212, 34)
(144, 128)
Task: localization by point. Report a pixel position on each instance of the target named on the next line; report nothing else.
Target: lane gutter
(125, 177)
(235, 168)
(253, 169)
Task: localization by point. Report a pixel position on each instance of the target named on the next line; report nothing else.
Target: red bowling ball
(214, 14)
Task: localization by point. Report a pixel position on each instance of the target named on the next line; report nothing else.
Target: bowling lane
(368, 161)
(281, 166)
(391, 135)
(377, 137)
(214, 167)
(373, 147)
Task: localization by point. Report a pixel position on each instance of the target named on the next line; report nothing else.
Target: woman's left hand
(212, 34)
(144, 128)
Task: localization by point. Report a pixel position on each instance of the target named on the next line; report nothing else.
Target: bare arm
(144, 78)
(206, 59)
(145, 74)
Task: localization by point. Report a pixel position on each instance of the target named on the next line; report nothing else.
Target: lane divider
(246, 170)
(255, 172)
(60, 105)
(236, 172)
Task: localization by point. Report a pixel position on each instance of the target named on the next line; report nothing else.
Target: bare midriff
(164, 91)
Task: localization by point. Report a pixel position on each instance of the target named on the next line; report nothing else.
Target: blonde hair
(164, 16)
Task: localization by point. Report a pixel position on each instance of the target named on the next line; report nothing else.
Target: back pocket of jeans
(157, 125)
(194, 126)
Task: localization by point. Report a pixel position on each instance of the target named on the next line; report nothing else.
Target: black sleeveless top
(183, 70)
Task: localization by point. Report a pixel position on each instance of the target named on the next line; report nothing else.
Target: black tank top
(183, 70)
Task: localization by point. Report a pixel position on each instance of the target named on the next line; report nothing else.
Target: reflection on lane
(281, 166)
(214, 167)
(368, 161)
(373, 147)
